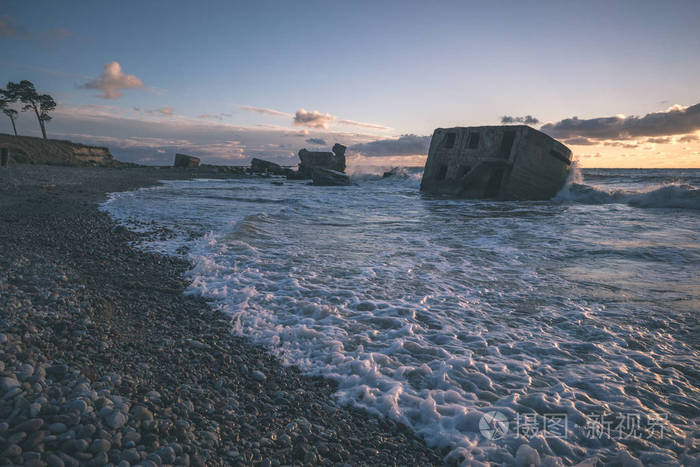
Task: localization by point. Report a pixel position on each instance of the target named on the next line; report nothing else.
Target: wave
(676, 196)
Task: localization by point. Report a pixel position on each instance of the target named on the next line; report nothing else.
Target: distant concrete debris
(185, 161)
(263, 167)
(325, 160)
(394, 171)
(260, 166)
(501, 162)
(327, 177)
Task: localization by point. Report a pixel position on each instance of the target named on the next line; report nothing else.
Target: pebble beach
(104, 360)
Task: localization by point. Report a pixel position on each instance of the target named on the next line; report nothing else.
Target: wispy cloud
(620, 144)
(661, 140)
(265, 111)
(317, 141)
(10, 28)
(580, 141)
(313, 118)
(168, 111)
(319, 120)
(372, 126)
(688, 138)
(113, 82)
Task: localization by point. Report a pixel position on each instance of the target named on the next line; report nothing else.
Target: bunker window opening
(473, 142)
(450, 140)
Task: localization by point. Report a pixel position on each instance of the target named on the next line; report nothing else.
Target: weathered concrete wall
(324, 160)
(30, 150)
(504, 162)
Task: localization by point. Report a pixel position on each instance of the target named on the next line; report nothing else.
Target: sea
(559, 331)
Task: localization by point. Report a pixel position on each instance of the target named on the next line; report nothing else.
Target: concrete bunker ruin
(502, 162)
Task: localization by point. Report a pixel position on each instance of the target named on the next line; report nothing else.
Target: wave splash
(675, 195)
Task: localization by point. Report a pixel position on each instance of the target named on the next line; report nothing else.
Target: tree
(41, 104)
(12, 113)
(5, 101)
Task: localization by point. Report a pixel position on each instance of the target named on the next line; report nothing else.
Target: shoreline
(104, 359)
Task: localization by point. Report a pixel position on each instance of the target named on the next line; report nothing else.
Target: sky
(228, 81)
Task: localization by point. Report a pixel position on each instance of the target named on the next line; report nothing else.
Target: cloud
(113, 81)
(317, 141)
(688, 139)
(673, 121)
(373, 126)
(210, 117)
(405, 145)
(265, 111)
(663, 140)
(10, 28)
(619, 144)
(313, 119)
(169, 111)
(316, 119)
(580, 141)
(527, 120)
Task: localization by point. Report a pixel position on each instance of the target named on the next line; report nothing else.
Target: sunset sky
(616, 81)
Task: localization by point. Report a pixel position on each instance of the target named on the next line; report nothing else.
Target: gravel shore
(103, 360)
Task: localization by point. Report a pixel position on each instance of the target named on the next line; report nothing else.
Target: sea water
(569, 326)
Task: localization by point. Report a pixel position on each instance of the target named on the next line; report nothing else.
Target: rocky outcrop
(185, 161)
(323, 160)
(327, 177)
(30, 150)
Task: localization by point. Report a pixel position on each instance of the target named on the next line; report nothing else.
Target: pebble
(7, 383)
(30, 425)
(100, 445)
(115, 419)
(77, 405)
(142, 413)
(526, 456)
(52, 460)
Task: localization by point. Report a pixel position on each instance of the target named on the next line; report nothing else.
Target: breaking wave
(656, 189)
